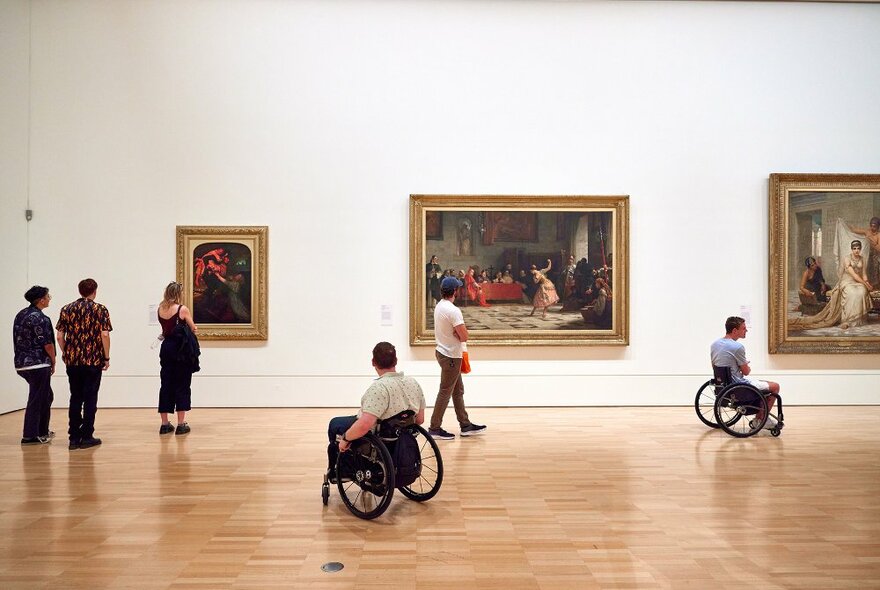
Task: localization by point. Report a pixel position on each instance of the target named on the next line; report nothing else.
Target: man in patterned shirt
(34, 349)
(389, 395)
(84, 339)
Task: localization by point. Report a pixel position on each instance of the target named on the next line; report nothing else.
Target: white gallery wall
(320, 118)
(14, 49)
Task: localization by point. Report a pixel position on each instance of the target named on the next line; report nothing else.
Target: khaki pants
(452, 386)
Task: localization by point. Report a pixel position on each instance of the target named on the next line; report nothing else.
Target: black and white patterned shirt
(31, 332)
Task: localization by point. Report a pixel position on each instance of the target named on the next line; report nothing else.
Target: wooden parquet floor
(548, 498)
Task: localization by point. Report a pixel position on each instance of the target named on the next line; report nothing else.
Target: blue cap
(450, 283)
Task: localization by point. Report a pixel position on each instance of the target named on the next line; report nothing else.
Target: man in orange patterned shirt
(84, 340)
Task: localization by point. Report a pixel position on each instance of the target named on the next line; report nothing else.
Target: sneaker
(88, 443)
(36, 440)
(182, 428)
(74, 445)
(770, 423)
(473, 430)
(50, 434)
(166, 428)
(440, 434)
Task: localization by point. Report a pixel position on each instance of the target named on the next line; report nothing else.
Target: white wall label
(745, 312)
(153, 313)
(385, 315)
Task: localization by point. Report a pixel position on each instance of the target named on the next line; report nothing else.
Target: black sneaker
(36, 440)
(88, 443)
(472, 430)
(182, 428)
(440, 434)
(74, 445)
(166, 428)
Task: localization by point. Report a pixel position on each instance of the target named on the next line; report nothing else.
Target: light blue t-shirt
(729, 353)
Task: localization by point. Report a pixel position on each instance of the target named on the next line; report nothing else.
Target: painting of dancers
(542, 270)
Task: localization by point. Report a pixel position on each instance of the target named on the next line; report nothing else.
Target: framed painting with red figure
(223, 273)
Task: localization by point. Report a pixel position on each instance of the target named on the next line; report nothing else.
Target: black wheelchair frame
(365, 474)
(722, 403)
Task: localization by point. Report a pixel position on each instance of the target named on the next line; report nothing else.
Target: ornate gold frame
(257, 239)
(781, 186)
(618, 335)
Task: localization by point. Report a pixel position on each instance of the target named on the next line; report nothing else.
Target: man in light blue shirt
(727, 352)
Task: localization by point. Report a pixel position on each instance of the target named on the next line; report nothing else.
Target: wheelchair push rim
(365, 477)
(431, 474)
(737, 409)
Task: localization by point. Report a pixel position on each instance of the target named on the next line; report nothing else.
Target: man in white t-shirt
(451, 334)
(727, 352)
(390, 394)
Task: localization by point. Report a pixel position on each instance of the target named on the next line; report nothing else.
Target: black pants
(39, 405)
(84, 384)
(175, 393)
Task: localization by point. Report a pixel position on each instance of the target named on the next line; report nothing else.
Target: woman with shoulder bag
(175, 374)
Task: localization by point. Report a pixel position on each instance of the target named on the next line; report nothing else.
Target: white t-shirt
(446, 317)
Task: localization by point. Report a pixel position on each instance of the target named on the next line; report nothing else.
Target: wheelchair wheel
(431, 476)
(737, 409)
(704, 404)
(365, 477)
(325, 493)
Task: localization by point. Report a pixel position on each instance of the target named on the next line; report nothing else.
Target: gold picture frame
(817, 306)
(223, 270)
(514, 232)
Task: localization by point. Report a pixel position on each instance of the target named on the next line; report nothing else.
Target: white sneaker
(770, 423)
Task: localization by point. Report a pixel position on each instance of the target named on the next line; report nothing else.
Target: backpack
(407, 459)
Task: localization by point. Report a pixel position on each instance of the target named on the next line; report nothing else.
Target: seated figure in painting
(598, 312)
(812, 290)
(848, 302)
(872, 234)
(474, 290)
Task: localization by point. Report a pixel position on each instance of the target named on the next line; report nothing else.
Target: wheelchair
(365, 473)
(734, 406)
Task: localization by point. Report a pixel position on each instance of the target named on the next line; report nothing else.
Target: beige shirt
(391, 394)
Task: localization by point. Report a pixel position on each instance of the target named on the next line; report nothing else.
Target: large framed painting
(824, 263)
(223, 272)
(535, 270)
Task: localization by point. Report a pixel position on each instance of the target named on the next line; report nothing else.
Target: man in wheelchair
(390, 394)
(727, 352)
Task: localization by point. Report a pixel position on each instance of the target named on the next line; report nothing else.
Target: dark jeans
(84, 384)
(337, 426)
(175, 393)
(39, 404)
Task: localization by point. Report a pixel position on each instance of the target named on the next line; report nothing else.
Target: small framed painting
(223, 272)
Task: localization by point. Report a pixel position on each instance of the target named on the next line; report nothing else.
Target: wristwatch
(345, 439)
